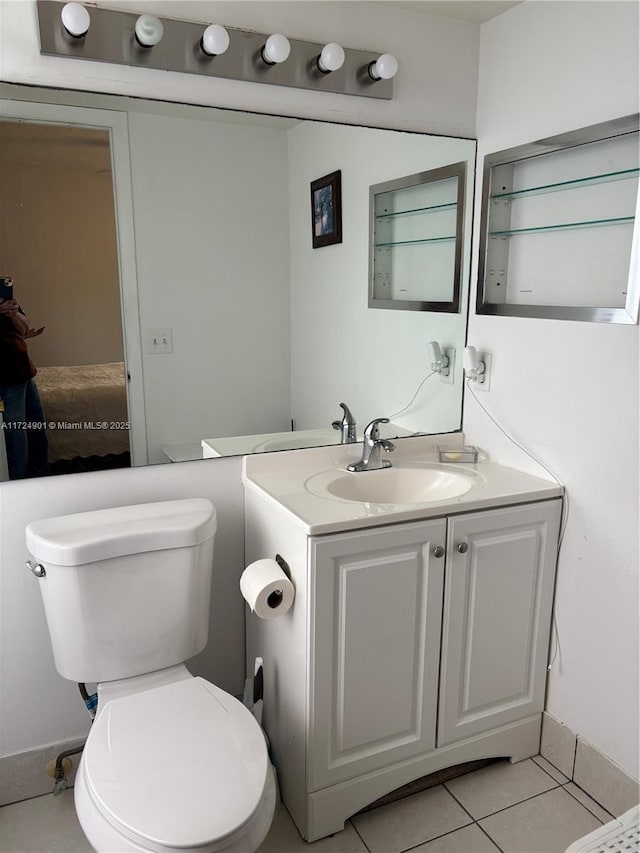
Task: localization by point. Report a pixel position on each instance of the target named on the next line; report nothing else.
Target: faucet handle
(372, 430)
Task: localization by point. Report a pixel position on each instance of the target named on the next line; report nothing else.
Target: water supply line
(60, 783)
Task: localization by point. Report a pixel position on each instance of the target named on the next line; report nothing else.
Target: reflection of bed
(84, 395)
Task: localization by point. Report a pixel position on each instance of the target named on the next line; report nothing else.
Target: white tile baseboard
(603, 780)
(587, 768)
(558, 744)
(24, 774)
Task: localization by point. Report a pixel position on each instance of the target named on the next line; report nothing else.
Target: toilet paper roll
(266, 589)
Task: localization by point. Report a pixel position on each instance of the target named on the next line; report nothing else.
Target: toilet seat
(181, 766)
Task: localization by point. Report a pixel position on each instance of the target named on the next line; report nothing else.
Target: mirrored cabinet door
(416, 241)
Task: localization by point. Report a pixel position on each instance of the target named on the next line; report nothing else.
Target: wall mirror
(559, 227)
(167, 250)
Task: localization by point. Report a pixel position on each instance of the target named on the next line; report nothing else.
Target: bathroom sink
(295, 442)
(398, 485)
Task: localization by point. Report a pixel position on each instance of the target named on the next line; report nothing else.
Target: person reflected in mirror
(24, 426)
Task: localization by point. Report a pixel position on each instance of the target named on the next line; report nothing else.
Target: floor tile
(284, 838)
(548, 767)
(501, 785)
(45, 823)
(595, 808)
(548, 823)
(469, 839)
(409, 822)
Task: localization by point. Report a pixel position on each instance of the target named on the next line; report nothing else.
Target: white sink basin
(401, 485)
(295, 442)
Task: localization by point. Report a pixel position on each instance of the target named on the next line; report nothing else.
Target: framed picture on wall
(326, 210)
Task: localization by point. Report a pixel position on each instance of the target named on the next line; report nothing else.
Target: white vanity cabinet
(410, 647)
(497, 610)
(376, 615)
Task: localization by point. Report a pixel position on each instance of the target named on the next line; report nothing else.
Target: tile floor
(528, 807)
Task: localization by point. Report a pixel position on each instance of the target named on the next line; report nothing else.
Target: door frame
(116, 124)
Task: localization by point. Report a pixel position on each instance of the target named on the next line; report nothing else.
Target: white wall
(37, 706)
(569, 390)
(212, 265)
(333, 332)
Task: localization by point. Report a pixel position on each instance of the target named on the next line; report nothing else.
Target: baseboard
(24, 774)
(587, 767)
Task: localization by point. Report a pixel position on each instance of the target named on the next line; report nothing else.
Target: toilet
(172, 762)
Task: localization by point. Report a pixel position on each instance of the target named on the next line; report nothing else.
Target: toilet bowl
(178, 764)
(172, 762)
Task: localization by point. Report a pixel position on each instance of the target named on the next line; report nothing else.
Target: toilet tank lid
(86, 537)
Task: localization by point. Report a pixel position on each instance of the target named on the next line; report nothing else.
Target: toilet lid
(182, 765)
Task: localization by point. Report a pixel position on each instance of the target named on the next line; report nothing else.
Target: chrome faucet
(372, 447)
(347, 426)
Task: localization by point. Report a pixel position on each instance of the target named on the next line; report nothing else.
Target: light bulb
(149, 30)
(215, 40)
(384, 68)
(75, 19)
(331, 58)
(276, 49)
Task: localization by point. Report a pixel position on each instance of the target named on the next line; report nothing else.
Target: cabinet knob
(462, 547)
(438, 551)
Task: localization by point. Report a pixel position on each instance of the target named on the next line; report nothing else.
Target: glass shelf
(449, 206)
(622, 175)
(620, 220)
(413, 242)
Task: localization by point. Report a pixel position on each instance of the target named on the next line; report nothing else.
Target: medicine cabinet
(559, 227)
(416, 234)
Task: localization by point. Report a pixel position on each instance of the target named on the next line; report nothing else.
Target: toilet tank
(126, 591)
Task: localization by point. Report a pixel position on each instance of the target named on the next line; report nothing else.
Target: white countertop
(281, 479)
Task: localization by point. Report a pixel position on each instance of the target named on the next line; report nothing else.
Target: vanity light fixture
(215, 40)
(331, 58)
(384, 68)
(75, 19)
(210, 49)
(276, 49)
(149, 30)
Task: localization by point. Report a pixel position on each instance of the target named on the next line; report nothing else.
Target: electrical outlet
(158, 341)
(486, 376)
(451, 355)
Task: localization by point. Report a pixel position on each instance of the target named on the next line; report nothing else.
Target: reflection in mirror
(416, 240)
(58, 244)
(239, 336)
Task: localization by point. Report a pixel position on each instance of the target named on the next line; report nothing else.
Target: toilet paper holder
(283, 565)
(275, 598)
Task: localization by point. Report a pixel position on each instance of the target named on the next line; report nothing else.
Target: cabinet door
(497, 614)
(375, 642)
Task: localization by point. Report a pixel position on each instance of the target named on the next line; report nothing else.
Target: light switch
(158, 341)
